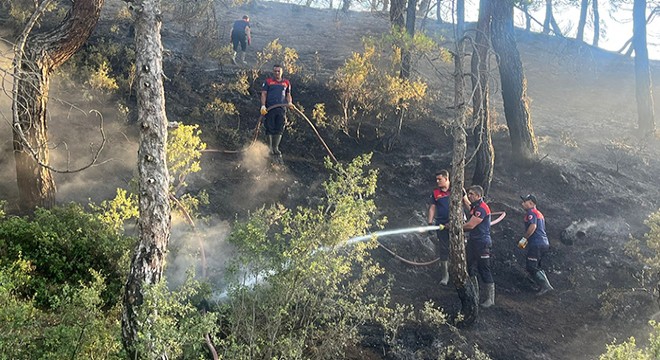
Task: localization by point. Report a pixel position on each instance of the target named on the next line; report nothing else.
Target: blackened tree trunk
(397, 8)
(582, 22)
(550, 21)
(34, 62)
(528, 17)
(514, 84)
(643, 92)
(438, 12)
(346, 4)
(466, 290)
(594, 7)
(155, 219)
(406, 56)
(460, 19)
(480, 65)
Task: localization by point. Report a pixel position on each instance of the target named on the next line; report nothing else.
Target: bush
(63, 244)
(296, 291)
(75, 327)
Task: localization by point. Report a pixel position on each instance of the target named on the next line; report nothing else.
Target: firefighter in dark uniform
(479, 242)
(535, 240)
(240, 35)
(275, 90)
(439, 215)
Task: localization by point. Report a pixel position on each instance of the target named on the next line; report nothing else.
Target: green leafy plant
(296, 291)
(62, 244)
(629, 350)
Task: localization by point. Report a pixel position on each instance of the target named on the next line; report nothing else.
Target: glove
(442, 227)
(249, 39)
(289, 105)
(263, 110)
(522, 243)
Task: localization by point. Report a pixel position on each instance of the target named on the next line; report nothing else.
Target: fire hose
(420, 229)
(256, 132)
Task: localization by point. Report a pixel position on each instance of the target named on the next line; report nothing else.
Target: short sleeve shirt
(276, 91)
(440, 199)
(239, 27)
(539, 237)
(482, 231)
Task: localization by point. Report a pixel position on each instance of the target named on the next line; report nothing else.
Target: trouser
(274, 121)
(442, 245)
(478, 259)
(239, 39)
(535, 255)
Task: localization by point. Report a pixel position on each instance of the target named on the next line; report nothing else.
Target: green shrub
(63, 244)
(75, 327)
(628, 350)
(311, 293)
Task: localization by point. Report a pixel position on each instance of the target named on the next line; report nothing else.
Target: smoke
(74, 131)
(204, 250)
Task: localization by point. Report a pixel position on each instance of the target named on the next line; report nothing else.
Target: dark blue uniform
(238, 34)
(441, 201)
(479, 243)
(276, 93)
(538, 243)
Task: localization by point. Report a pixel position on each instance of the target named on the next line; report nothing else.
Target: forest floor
(593, 191)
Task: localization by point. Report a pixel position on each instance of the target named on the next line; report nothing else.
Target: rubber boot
(490, 299)
(243, 57)
(276, 144)
(233, 58)
(444, 267)
(542, 279)
(270, 145)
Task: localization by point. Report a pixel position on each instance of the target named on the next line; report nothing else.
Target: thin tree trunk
(460, 19)
(458, 263)
(548, 16)
(397, 8)
(406, 56)
(155, 218)
(485, 157)
(438, 12)
(528, 17)
(596, 23)
(514, 84)
(34, 63)
(346, 4)
(583, 20)
(643, 92)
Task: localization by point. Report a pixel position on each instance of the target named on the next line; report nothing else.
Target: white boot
(243, 57)
(444, 267)
(233, 58)
(490, 299)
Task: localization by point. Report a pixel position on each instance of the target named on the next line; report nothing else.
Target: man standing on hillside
(240, 35)
(275, 91)
(536, 241)
(479, 242)
(439, 215)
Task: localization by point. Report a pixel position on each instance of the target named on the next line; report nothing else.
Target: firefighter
(535, 240)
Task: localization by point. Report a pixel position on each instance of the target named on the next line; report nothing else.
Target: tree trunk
(34, 63)
(438, 12)
(460, 19)
(424, 7)
(155, 218)
(583, 20)
(514, 84)
(645, 116)
(548, 16)
(485, 157)
(528, 17)
(596, 23)
(397, 8)
(458, 263)
(346, 4)
(406, 56)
